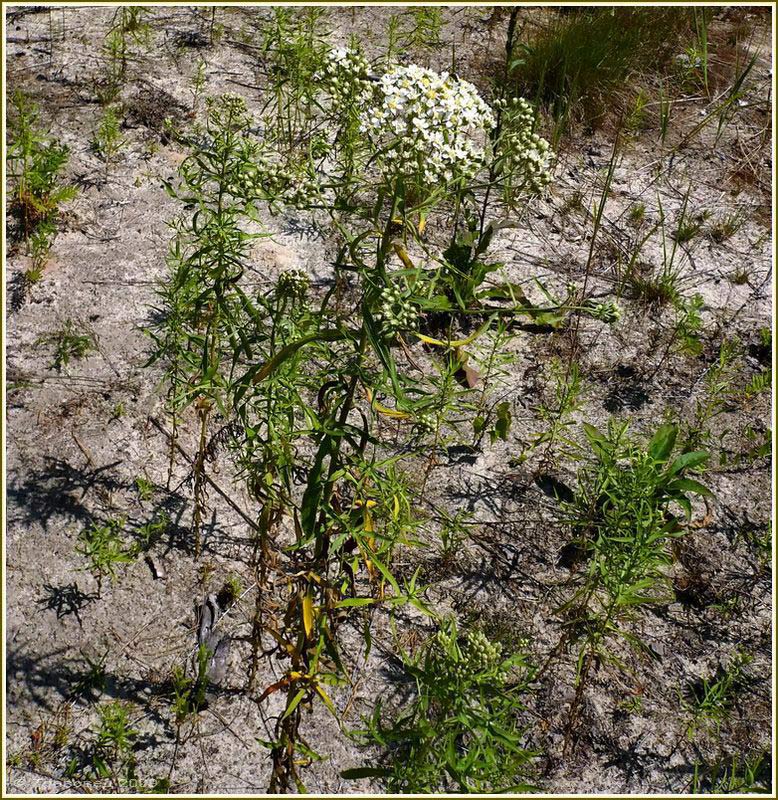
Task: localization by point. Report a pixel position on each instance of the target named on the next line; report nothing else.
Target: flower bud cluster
(395, 311)
(293, 284)
(481, 654)
(345, 75)
(229, 111)
(526, 156)
(475, 658)
(425, 423)
(424, 125)
(270, 180)
(609, 312)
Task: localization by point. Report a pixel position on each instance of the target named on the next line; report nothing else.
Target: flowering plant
(426, 125)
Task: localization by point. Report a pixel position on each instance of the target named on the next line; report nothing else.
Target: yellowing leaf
(402, 254)
(368, 504)
(396, 509)
(391, 412)
(369, 527)
(327, 702)
(308, 615)
(456, 343)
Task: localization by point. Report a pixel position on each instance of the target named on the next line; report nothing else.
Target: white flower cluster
(229, 110)
(527, 156)
(424, 123)
(344, 75)
(396, 311)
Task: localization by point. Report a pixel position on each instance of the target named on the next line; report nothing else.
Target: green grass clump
(70, 343)
(578, 63)
(711, 700)
(742, 774)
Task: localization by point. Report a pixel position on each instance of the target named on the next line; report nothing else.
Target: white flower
(434, 117)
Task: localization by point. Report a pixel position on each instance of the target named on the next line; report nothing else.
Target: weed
(709, 701)
(636, 117)
(293, 45)
(69, 343)
(719, 386)
(128, 28)
(110, 756)
(107, 141)
(424, 29)
(93, 681)
(760, 540)
(199, 79)
(149, 533)
(689, 227)
(233, 587)
(453, 534)
(460, 733)
(145, 488)
(632, 705)
(104, 548)
(578, 64)
(637, 214)
(685, 337)
(625, 516)
(115, 736)
(740, 775)
(558, 418)
(35, 163)
(189, 694)
(726, 226)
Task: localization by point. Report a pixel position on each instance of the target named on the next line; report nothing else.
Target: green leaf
(503, 424)
(352, 602)
(689, 485)
(662, 443)
(294, 703)
(286, 352)
(688, 461)
(597, 440)
(313, 491)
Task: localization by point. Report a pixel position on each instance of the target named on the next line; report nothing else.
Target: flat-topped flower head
(293, 284)
(427, 125)
(229, 110)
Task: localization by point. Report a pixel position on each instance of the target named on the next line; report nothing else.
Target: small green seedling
(69, 344)
(144, 487)
(710, 701)
(107, 141)
(104, 548)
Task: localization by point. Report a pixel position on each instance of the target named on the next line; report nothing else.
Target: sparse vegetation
(446, 412)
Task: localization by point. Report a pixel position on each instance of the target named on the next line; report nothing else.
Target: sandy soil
(79, 438)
